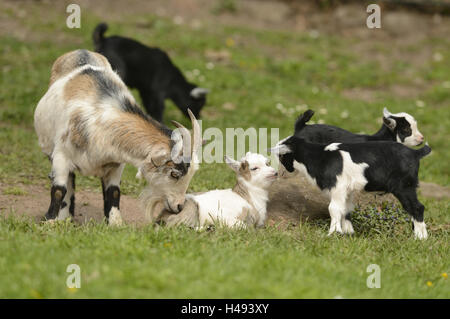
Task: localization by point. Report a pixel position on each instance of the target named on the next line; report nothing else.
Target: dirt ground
(289, 200)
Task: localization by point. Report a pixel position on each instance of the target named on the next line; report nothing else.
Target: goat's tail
(302, 119)
(98, 34)
(424, 151)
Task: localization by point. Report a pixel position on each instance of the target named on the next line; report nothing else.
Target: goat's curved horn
(196, 136)
(182, 142)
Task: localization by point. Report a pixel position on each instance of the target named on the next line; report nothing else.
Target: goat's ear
(390, 123)
(197, 93)
(234, 165)
(244, 167)
(280, 149)
(159, 160)
(386, 112)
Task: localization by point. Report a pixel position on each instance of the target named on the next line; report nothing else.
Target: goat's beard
(153, 205)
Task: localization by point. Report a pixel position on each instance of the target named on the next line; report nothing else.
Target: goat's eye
(175, 175)
(254, 168)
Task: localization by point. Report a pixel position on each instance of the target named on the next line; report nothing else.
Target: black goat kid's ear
(390, 123)
(280, 149)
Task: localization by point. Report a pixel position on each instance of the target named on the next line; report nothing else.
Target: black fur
(111, 199)
(57, 196)
(326, 134)
(323, 166)
(150, 71)
(84, 58)
(72, 198)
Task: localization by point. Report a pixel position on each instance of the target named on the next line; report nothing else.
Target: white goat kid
(242, 206)
(88, 121)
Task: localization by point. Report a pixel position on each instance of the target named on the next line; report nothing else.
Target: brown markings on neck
(80, 87)
(135, 135)
(242, 191)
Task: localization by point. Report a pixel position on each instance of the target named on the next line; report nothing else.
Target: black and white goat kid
(151, 72)
(400, 127)
(340, 170)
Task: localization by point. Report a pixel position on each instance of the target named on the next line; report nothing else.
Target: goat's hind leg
(111, 195)
(409, 201)
(68, 204)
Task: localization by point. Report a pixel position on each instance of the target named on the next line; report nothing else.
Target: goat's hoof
(114, 217)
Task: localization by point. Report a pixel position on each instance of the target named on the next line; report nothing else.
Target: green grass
(178, 263)
(265, 68)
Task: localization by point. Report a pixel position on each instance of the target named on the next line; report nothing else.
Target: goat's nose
(180, 207)
(276, 173)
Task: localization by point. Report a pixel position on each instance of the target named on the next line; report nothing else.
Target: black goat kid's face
(287, 160)
(195, 105)
(197, 99)
(285, 150)
(404, 127)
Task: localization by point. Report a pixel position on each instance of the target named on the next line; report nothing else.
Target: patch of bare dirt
(88, 204)
(290, 200)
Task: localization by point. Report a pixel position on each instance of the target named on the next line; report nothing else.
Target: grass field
(265, 68)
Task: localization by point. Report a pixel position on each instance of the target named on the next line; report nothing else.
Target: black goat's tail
(302, 119)
(98, 34)
(424, 151)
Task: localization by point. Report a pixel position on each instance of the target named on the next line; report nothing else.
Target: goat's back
(70, 61)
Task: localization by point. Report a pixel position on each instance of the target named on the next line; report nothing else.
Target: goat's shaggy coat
(342, 169)
(89, 122)
(151, 72)
(400, 127)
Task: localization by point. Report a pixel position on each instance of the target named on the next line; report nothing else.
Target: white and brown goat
(89, 122)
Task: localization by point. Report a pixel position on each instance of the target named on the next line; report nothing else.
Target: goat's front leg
(337, 211)
(347, 227)
(60, 177)
(111, 195)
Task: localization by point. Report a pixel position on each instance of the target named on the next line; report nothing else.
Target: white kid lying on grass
(242, 206)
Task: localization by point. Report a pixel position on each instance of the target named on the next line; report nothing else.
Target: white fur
(225, 206)
(115, 218)
(332, 147)
(220, 206)
(420, 230)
